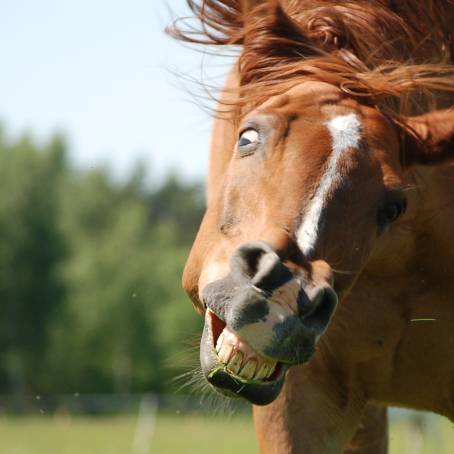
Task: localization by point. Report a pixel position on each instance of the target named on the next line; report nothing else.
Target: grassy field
(175, 434)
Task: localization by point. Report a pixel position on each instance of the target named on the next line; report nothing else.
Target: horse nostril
(323, 303)
(258, 263)
(247, 258)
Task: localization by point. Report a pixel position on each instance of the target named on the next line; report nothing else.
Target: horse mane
(397, 54)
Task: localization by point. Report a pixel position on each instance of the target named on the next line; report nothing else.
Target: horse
(323, 264)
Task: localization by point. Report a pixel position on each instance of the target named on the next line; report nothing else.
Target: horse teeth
(231, 352)
(225, 352)
(248, 371)
(219, 342)
(271, 368)
(263, 372)
(235, 362)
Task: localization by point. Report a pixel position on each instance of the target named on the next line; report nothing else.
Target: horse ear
(429, 138)
(271, 39)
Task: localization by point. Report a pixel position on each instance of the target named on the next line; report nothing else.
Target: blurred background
(103, 156)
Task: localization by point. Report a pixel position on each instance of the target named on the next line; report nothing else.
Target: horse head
(305, 185)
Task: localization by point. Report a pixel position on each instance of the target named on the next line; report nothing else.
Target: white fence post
(146, 421)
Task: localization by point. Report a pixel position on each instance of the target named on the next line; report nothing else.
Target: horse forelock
(380, 50)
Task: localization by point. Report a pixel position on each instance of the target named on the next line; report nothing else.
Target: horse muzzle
(260, 319)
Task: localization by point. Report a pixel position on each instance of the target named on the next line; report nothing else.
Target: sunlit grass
(186, 434)
(66, 435)
(177, 433)
(420, 437)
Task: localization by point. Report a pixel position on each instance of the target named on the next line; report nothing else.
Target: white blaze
(345, 133)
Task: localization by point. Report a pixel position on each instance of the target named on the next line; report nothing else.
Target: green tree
(31, 250)
(124, 304)
(90, 271)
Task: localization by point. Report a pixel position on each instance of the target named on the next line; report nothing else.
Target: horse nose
(317, 313)
(257, 262)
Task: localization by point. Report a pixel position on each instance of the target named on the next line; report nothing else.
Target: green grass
(436, 437)
(115, 435)
(175, 434)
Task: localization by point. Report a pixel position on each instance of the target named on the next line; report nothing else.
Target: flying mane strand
(366, 48)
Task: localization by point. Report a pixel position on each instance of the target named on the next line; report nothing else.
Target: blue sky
(101, 72)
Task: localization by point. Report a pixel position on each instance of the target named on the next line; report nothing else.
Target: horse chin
(258, 392)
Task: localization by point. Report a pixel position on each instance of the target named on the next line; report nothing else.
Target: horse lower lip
(258, 393)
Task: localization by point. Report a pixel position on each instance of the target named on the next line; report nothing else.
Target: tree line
(90, 295)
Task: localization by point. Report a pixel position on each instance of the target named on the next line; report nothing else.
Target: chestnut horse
(324, 262)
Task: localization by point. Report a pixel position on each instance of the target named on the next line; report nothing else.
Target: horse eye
(392, 212)
(248, 137)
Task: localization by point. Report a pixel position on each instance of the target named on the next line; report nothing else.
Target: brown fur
(391, 340)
